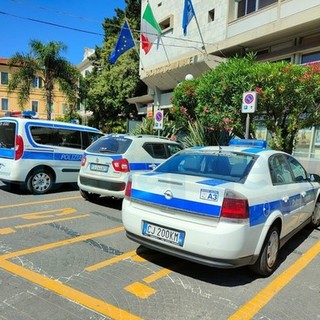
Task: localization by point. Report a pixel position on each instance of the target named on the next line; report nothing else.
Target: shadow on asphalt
(22, 190)
(223, 277)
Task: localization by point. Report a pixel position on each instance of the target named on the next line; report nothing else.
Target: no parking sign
(158, 119)
(249, 102)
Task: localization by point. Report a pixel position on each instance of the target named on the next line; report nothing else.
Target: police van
(41, 153)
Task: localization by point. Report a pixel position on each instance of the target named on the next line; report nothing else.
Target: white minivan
(41, 153)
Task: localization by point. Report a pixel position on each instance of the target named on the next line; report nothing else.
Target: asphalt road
(64, 258)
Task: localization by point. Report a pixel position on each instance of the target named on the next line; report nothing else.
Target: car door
(307, 192)
(287, 192)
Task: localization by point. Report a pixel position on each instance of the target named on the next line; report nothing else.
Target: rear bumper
(209, 261)
(102, 187)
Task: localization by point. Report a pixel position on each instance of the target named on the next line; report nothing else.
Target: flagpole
(204, 47)
(135, 45)
(165, 51)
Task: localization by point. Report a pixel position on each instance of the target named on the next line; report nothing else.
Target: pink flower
(258, 90)
(173, 137)
(183, 110)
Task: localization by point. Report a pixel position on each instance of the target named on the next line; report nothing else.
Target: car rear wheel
(89, 195)
(315, 219)
(266, 263)
(40, 182)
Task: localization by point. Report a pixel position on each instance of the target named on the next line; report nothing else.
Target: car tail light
(19, 148)
(127, 193)
(83, 161)
(121, 165)
(235, 206)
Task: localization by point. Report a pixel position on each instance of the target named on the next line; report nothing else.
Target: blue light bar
(248, 143)
(29, 113)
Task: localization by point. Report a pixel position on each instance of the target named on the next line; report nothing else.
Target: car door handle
(303, 194)
(152, 166)
(285, 199)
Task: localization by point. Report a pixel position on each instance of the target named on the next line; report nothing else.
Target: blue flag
(188, 13)
(124, 43)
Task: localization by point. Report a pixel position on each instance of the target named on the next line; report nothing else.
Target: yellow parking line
(29, 225)
(35, 224)
(7, 230)
(68, 292)
(253, 306)
(157, 275)
(39, 215)
(59, 243)
(110, 261)
(37, 202)
(140, 290)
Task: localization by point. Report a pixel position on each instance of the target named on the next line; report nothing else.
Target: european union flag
(124, 43)
(188, 13)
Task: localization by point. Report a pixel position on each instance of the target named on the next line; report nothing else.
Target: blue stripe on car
(176, 203)
(258, 213)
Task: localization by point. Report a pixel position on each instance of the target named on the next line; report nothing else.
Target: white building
(85, 67)
(274, 29)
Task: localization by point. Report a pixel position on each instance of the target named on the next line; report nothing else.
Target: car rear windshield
(226, 166)
(118, 145)
(7, 134)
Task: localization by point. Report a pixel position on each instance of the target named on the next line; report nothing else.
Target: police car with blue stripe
(222, 206)
(107, 163)
(39, 154)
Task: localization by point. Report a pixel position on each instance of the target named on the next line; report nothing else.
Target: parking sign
(158, 119)
(249, 102)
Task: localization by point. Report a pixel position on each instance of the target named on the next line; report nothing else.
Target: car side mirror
(314, 177)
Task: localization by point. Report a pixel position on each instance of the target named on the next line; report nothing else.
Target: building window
(166, 24)
(4, 78)
(37, 82)
(211, 15)
(248, 6)
(310, 57)
(4, 104)
(35, 106)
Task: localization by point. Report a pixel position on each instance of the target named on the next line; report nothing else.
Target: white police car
(108, 162)
(222, 206)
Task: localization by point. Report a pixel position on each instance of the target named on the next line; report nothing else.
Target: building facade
(37, 99)
(274, 29)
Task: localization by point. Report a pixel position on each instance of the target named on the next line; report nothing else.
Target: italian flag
(150, 29)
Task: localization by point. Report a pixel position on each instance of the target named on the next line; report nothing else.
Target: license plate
(164, 234)
(99, 167)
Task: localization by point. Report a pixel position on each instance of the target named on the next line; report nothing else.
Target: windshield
(118, 145)
(226, 166)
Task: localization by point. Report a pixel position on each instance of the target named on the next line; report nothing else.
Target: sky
(81, 22)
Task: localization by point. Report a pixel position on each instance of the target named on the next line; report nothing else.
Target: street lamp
(188, 77)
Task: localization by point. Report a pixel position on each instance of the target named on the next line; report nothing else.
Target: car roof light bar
(248, 143)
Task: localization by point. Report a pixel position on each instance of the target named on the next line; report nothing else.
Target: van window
(69, 138)
(7, 134)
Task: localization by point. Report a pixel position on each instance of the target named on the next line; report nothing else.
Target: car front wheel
(89, 195)
(315, 219)
(266, 262)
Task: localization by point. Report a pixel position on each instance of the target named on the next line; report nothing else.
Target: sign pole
(249, 105)
(247, 126)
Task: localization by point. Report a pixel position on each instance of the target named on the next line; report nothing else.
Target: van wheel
(267, 261)
(89, 195)
(40, 182)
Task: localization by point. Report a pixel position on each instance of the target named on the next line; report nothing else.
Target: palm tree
(44, 61)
